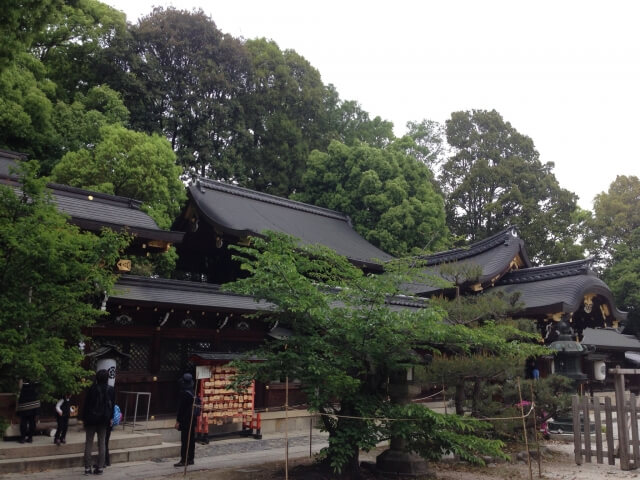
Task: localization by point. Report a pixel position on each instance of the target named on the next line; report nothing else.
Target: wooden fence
(588, 411)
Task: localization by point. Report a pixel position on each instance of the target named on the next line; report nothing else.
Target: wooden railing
(626, 425)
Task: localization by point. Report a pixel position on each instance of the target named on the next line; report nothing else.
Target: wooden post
(586, 425)
(598, 422)
(634, 430)
(535, 431)
(577, 440)
(310, 436)
(524, 431)
(286, 428)
(623, 432)
(609, 426)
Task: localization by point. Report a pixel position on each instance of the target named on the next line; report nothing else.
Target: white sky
(564, 72)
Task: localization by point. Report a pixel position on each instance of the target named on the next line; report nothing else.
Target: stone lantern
(569, 354)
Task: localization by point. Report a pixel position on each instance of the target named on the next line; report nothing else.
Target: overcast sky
(566, 73)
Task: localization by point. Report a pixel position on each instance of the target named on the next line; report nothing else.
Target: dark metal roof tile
(242, 212)
(159, 291)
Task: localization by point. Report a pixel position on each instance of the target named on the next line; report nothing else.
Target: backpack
(117, 415)
(102, 408)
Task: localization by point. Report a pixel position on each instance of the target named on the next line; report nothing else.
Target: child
(63, 410)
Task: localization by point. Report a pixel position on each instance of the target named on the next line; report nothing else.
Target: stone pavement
(218, 454)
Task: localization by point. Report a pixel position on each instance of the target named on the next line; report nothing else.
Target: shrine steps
(43, 454)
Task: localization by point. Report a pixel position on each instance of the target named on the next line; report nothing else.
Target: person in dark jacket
(107, 457)
(186, 421)
(96, 422)
(63, 412)
(28, 409)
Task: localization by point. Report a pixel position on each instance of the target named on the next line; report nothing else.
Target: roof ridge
(546, 272)
(268, 198)
(476, 248)
(183, 285)
(66, 189)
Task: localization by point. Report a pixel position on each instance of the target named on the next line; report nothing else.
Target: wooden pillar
(577, 438)
(623, 432)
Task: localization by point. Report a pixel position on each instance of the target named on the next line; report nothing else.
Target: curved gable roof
(557, 288)
(494, 256)
(242, 212)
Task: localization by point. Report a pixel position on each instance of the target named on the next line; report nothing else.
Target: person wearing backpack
(97, 416)
(112, 393)
(186, 420)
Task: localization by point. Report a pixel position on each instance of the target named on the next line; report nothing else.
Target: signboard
(124, 265)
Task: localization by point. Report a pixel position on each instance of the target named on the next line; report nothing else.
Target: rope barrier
(428, 396)
(388, 419)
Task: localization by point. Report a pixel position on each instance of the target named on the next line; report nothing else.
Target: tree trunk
(476, 397)
(459, 399)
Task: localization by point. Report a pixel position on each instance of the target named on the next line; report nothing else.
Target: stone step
(43, 446)
(76, 459)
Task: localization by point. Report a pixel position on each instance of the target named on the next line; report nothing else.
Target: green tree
(78, 124)
(52, 277)
(469, 373)
(26, 108)
(495, 178)
(430, 143)
(185, 81)
(616, 216)
(346, 343)
(387, 193)
(350, 124)
(129, 164)
(284, 112)
(70, 45)
(20, 22)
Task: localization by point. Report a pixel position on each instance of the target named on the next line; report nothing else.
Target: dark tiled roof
(8, 160)
(242, 212)
(164, 292)
(493, 256)
(552, 293)
(93, 210)
(506, 237)
(204, 357)
(609, 339)
(525, 275)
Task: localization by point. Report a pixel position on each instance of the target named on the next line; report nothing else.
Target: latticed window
(176, 354)
(138, 349)
(139, 352)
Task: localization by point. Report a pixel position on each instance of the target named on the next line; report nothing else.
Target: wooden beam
(625, 371)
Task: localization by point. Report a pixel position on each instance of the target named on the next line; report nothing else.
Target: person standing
(97, 415)
(107, 457)
(186, 421)
(28, 409)
(63, 411)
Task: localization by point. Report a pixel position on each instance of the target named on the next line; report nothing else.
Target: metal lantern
(568, 359)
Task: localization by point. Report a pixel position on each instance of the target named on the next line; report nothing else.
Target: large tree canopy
(616, 217)
(185, 79)
(51, 276)
(387, 193)
(71, 45)
(285, 117)
(495, 178)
